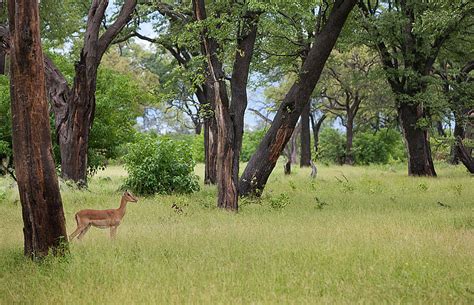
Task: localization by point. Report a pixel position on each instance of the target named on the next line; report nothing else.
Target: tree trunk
(420, 162)
(210, 150)
(305, 153)
(316, 129)
(349, 158)
(263, 161)
(465, 155)
(440, 129)
(2, 62)
(459, 133)
(287, 167)
(74, 130)
(43, 218)
(229, 117)
(207, 108)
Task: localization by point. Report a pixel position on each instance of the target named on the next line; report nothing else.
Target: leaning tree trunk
(305, 154)
(43, 218)
(263, 161)
(417, 143)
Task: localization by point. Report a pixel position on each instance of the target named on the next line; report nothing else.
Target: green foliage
(381, 147)
(250, 143)
(198, 148)
(160, 165)
(331, 146)
(5, 120)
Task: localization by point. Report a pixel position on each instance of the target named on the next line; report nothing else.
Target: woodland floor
(378, 237)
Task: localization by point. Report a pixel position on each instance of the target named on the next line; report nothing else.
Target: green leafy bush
(331, 146)
(160, 165)
(250, 142)
(380, 147)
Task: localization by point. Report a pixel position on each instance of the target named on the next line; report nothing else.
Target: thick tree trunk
(305, 160)
(261, 164)
(349, 158)
(420, 162)
(74, 130)
(43, 218)
(229, 117)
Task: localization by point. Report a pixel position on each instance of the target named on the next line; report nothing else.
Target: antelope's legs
(113, 232)
(84, 231)
(78, 230)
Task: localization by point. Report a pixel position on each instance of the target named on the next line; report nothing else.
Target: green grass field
(378, 238)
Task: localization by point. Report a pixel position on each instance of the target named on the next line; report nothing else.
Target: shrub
(331, 146)
(250, 142)
(380, 147)
(160, 165)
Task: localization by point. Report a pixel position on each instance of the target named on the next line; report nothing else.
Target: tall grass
(353, 235)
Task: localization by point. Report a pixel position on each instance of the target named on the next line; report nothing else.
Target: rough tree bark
(263, 161)
(305, 154)
(43, 218)
(229, 117)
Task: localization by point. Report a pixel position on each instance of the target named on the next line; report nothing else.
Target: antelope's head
(129, 197)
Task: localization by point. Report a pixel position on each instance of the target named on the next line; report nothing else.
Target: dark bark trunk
(2, 62)
(440, 129)
(264, 160)
(197, 128)
(207, 107)
(349, 158)
(210, 151)
(305, 159)
(43, 218)
(420, 162)
(459, 133)
(74, 130)
(240, 73)
(316, 129)
(287, 167)
(229, 118)
(465, 155)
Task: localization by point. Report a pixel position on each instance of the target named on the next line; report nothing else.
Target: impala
(102, 219)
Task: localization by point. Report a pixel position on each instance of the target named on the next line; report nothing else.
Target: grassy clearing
(379, 237)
